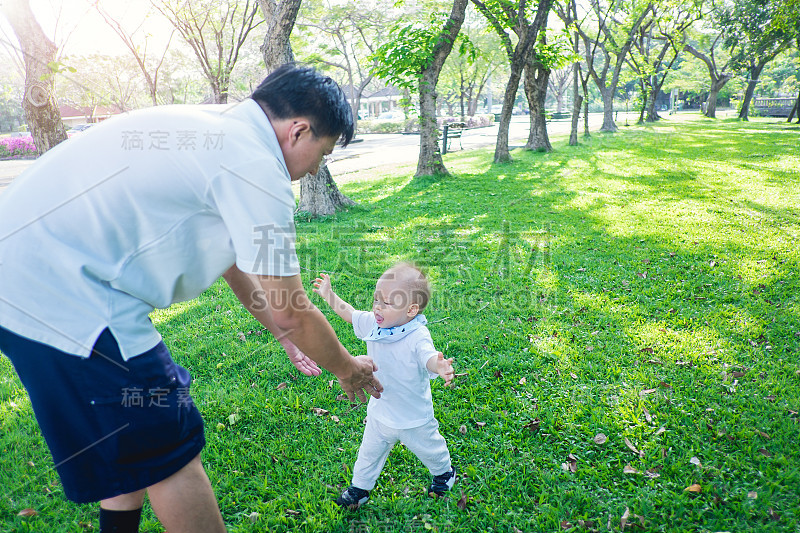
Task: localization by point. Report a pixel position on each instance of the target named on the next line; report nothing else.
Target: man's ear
(298, 127)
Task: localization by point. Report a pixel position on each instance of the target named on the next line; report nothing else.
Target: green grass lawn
(643, 286)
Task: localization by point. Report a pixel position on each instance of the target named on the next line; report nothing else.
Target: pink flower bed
(17, 147)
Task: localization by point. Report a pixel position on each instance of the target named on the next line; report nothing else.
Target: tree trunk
(652, 114)
(608, 108)
(430, 161)
(645, 100)
(717, 83)
(501, 152)
(755, 72)
(430, 157)
(320, 196)
(536, 78)
(517, 64)
(576, 111)
(276, 49)
(39, 103)
(586, 113)
(577, 98)
(795, 109)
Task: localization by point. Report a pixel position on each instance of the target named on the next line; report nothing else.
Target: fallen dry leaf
(660, 430)
(462, 502)
(571, 465)
(27, 512)
(773, 515)
(463, 430)
(241, 336)
(695, 461)
(626, 522)
(629, 470)
(647, 416)
(752, 495)
(281, 386)
(573, 375)
(600, 438)
(292, 512)
(764, 452)
(319, 411)
(652, 473)
(335, 418)
(693, 488)
(480, 424)
(647, 391)
(253, 517)
(523, 381)
(632, 448)
(770, 398)
(762, 434)
(533, 425)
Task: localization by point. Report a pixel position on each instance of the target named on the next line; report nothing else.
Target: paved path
(10, 170)
(375, 150)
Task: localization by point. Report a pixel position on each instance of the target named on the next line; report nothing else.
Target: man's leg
(121, 514)
(185, 501)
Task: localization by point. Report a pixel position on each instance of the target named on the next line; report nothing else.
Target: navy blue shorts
(112, 426)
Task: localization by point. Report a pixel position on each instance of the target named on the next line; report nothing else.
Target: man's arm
(282, 303)
(243, 288)
(323, 287)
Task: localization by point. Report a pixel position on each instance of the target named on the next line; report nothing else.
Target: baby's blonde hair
(411, 276)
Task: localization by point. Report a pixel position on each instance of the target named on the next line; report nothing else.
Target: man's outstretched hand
(303, 363)
(361, 380)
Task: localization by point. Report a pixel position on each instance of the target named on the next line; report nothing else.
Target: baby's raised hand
(444, 367)
(322, 286)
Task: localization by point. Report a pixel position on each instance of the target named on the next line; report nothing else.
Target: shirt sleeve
(256, 203)
(424, 350)
(363, 322)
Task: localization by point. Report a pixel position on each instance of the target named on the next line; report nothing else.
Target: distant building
(375, 102)
(72, 116)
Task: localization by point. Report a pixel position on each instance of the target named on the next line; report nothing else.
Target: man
(140, 212)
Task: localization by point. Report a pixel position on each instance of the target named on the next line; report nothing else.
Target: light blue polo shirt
(139, 212)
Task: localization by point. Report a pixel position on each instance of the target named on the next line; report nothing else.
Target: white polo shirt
(139, 212)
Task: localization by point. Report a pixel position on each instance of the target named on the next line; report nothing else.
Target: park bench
(453, 130)
(557, 116)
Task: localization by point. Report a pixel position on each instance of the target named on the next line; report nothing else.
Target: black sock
(120, 521)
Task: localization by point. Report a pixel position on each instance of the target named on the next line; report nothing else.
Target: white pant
(424, 441)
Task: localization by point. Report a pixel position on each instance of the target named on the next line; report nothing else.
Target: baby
(402, 349)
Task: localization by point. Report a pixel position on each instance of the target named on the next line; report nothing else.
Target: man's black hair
(296, 91)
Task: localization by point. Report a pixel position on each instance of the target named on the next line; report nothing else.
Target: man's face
(307, 152)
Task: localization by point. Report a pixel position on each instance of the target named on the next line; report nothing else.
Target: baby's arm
(322, 286)
(444, 367)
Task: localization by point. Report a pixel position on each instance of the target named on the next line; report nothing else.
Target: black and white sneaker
(353, 498)
(442, 483)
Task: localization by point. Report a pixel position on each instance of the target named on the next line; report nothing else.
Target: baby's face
(392, 305)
